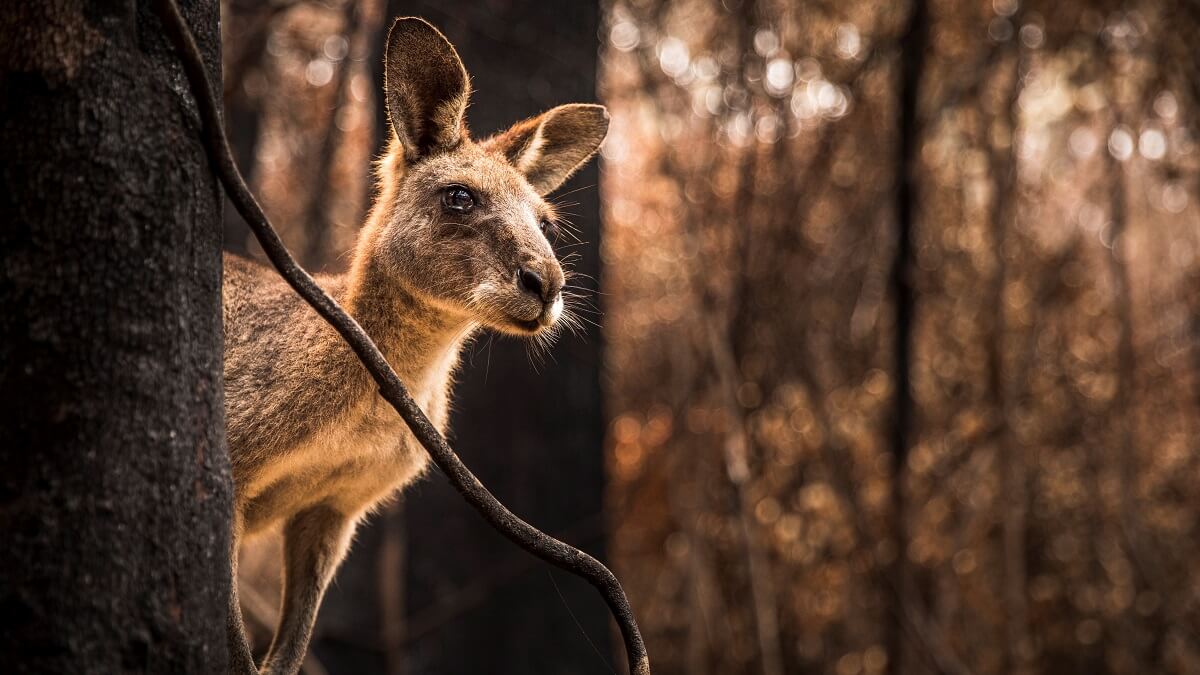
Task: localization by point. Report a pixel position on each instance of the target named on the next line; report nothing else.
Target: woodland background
(802, 446)
(895, 357)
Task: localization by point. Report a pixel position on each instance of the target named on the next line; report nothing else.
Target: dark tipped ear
(426, 87)
(550, 147)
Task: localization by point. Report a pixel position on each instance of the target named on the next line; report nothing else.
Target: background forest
(894, 364)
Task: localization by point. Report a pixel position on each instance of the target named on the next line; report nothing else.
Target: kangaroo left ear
(552, 146)
(426, 87)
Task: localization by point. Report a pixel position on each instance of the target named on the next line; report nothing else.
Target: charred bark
(115, 493)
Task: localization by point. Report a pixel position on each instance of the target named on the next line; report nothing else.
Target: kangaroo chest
(364, 456)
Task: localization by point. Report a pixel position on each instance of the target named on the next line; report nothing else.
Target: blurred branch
(258, 610)
(683, 495)
(904, 609)
(736, 447)
(1149, 559)
(723, 345)
(1121, 410)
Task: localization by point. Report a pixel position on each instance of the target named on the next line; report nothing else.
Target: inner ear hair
(552, 146)
(426, 87)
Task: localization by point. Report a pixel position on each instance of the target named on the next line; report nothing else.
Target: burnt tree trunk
(115, 489)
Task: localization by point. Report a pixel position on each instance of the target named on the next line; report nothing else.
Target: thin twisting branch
(391, 388)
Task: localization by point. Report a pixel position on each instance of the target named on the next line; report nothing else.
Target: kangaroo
(455, 242)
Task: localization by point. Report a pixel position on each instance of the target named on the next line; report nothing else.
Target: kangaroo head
(467, 226)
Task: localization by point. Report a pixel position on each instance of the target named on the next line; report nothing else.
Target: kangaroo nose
(533, 282)
(530, 281)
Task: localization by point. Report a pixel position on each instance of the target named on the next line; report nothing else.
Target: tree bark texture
(115, 490)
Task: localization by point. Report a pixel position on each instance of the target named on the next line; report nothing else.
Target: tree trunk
(115, 493)
(912, 57)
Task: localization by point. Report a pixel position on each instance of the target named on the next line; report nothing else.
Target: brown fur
(314, 447)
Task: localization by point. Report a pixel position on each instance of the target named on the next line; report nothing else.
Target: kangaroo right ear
(426, 87)
(550, 147)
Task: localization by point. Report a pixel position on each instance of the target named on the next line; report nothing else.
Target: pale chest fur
(364, 457)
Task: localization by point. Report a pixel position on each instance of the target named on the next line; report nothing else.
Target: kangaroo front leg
(315, 540)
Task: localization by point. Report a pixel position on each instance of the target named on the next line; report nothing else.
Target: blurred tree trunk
(316, 217)
(1013, 474)
(115, 494)
(251, 23)
(725, 344)
(912, 62)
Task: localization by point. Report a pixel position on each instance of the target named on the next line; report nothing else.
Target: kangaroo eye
(458, 199)
(549, 230)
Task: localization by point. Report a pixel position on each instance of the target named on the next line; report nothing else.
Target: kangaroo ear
(550, 147)
(426, 87)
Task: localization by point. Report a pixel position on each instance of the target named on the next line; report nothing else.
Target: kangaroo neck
(413, 332)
